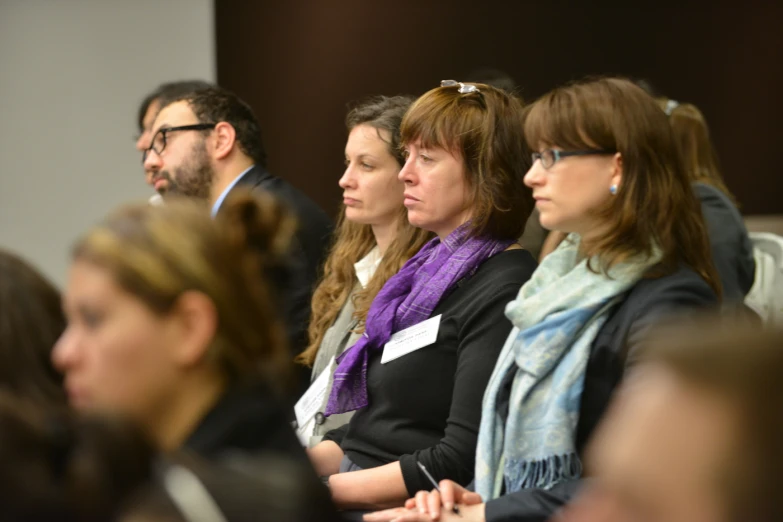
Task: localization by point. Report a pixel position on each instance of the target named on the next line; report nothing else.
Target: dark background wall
(299, 63)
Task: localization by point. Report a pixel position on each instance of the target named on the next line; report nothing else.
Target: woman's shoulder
(683, 288)
(649, 303)
(498, 278)
(510, 265)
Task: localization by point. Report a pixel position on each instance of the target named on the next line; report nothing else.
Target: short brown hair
(158, 253)
(485, 129)
(655, 206)
(166, 91)
(744, 364)
(214, 105)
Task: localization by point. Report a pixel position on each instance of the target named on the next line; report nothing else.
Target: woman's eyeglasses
(549, 157)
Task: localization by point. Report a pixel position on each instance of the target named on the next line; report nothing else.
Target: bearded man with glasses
(207, 142)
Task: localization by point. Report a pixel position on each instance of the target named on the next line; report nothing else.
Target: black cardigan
(648, 303)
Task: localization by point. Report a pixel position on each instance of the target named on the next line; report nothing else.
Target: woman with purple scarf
(417, 376)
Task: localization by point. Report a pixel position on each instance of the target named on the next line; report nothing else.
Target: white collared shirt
(222, 196)
(366, 266)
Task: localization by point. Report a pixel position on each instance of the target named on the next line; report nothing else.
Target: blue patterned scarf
(408, 298)
(556, 317)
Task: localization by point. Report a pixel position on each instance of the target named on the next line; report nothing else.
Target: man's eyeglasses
(158, 143)
(550, 156)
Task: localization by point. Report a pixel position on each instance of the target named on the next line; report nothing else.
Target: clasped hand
(434, 505)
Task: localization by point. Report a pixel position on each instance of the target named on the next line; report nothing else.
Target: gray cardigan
(338, 337)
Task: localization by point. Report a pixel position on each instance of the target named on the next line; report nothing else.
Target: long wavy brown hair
(692, 136)
(353, 241)
(655, 206)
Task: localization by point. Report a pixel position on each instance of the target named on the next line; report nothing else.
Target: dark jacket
(248, 420)
(307, 256)
(248, 457)
(732, 250)
(615, 347)
(251, 489)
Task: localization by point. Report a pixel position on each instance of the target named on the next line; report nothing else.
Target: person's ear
(225, 136)
(617, 173)
(195, 319)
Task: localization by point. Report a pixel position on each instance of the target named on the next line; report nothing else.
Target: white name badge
(411, 339)
(306, 407)
(305, 432)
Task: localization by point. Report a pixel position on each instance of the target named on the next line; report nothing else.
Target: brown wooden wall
(299, 62)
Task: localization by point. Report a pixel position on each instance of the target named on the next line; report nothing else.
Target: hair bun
(263, 226)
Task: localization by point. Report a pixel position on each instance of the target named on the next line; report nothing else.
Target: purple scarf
(407, 298)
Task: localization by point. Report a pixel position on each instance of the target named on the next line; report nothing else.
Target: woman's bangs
(555, 121)
(436, 120)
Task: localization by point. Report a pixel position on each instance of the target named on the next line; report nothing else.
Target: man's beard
(192, 179)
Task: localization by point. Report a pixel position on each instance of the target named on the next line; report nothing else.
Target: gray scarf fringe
(542, 473)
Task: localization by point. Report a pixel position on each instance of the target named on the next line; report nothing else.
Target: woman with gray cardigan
(372, 241)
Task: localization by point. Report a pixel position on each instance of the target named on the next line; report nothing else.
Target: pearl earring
(613, 189)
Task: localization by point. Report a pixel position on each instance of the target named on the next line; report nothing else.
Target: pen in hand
(454, 507)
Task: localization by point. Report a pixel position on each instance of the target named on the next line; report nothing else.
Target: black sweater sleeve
(426, 405)
(336, 435)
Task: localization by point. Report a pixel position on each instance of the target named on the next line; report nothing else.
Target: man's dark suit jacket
(307, 256)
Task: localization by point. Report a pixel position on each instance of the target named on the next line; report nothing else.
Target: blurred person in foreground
(31, 321)
(695, 434)
(171, 322)
(60, 466)
(258, 489)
